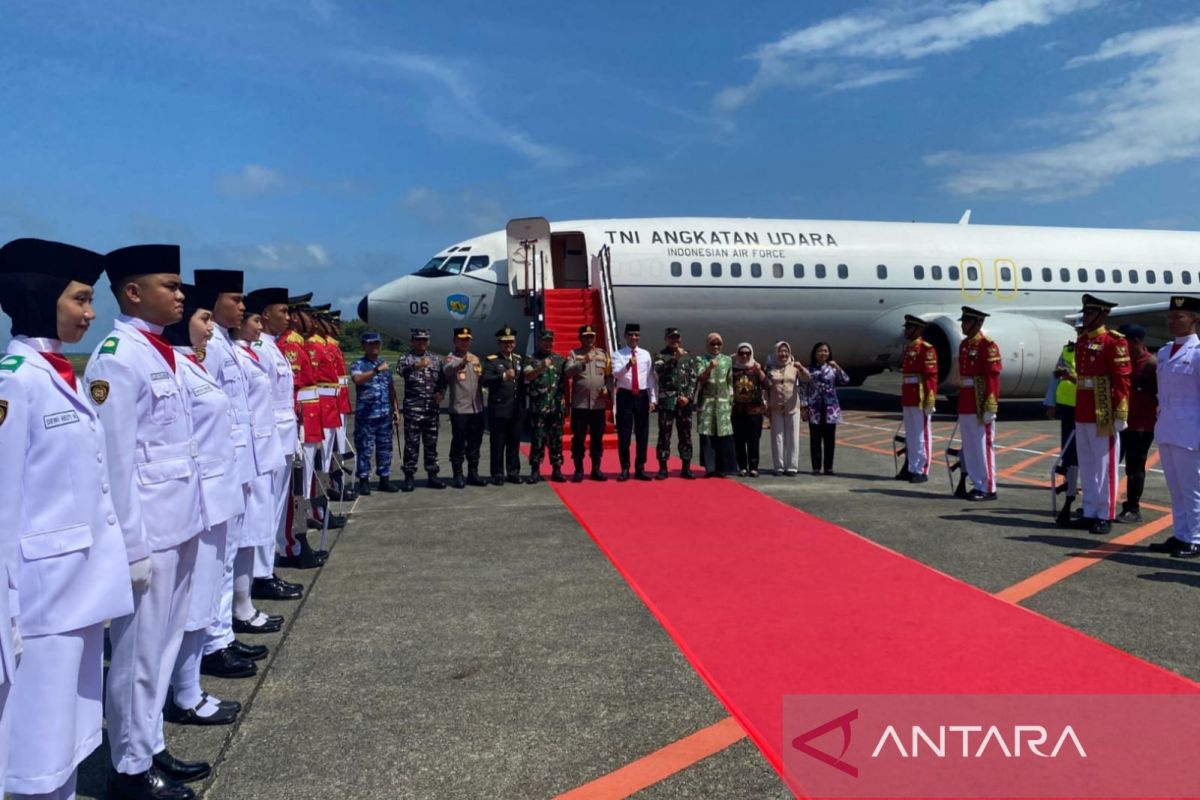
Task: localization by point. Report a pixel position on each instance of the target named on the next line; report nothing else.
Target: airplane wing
(1151, 316)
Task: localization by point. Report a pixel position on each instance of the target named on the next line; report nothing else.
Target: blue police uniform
(373, 417)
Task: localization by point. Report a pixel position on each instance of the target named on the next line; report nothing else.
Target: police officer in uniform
(70, 568)
(372, 377)
(1102, 369)
(676, 373)
(544, 379)
(918, 396)
(1060, 403)
(463, 370)
(424, 383)
(1178, 428)
(979, 365)
(590, 371)
(505, 401)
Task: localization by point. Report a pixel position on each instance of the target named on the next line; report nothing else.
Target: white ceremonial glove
(18, 647)
(1120, 425)
(139, 575)
(989, 417)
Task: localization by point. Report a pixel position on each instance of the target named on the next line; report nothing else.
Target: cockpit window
(453, 265)
(477, 262)
(432, 267)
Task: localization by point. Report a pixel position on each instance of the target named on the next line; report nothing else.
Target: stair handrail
(607, 300)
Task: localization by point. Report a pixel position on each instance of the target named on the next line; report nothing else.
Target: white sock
(243, 573)
(185, 679)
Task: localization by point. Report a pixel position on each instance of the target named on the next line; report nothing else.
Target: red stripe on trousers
(987, 458)
(1112, 477)
(926, 442)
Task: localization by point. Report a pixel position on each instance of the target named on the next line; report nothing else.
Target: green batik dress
(716, 398)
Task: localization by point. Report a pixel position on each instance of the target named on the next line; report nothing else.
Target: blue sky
(332, 145)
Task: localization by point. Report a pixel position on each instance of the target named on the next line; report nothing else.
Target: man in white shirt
(637, 397)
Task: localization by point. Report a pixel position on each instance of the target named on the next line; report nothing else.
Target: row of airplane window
(935, 272)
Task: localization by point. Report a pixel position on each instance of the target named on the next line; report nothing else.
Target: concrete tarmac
(476, 643)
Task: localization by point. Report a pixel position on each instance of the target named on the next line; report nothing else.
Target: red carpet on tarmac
(766, 601)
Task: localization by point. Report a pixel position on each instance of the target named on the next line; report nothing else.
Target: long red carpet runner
(767, 601)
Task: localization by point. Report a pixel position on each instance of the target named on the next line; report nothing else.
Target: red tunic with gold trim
(920, 370)
(308, 405)
(343, 375)
(1102, 369)
(979, 365)
(327, 379)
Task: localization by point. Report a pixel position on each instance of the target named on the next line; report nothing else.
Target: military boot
(578, 476)
(363, 487)
(557, 475)
(409, 484)
(458, 482)
(597, 475)
(686, 472)
(385, 484)
(535, 474)
(662, 471)
(434, 482)
(473, 478)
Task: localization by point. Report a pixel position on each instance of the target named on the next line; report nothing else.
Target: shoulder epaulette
(1117, 334)
(493, 357)
(109, 346)
(11, 363)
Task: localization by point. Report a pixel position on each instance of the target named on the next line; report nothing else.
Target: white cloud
(293, 256)
(833, 53)
(423, 203)
(1150, 117)
(318, 254)
(251, 180)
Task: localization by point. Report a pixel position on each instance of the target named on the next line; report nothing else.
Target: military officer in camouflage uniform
(544, 376)
(424, 384)
(676, 371)
(502, 377)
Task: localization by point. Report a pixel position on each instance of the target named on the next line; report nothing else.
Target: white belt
(161, 452)
(1087, 383)
(328, 391)
(306, 394)
(343, 381)
(968, 381)
(912, 378)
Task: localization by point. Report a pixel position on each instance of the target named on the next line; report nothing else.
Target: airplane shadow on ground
(1188, 579)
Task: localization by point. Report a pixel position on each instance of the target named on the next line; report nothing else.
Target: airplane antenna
(966, 218)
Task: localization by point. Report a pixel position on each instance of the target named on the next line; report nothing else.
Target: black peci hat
(632, 327)
(222, 281)
(258, 300)
(141, 259)
(33, 275)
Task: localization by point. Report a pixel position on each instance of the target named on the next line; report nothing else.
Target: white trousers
(208, 577)
(785, 433)
(57, 707)
(978, 452)
(1098, 458)
(308, 452)
(64, 792)
(1182, 470)
(144, 646)
(341, 435)
(283, 501)
(220, 632)
(918, 439)
(6, 718)
(327, 447)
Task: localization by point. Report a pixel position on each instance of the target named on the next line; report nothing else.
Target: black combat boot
(363, 487)
(639, 474)
(535, 474)
(597, 475)
(409, 484)
(434, 482)
(458, 482)
(473, 478)
(662, 471)
(557, 475)
(386, 485)
(578, 476)
(686, 472)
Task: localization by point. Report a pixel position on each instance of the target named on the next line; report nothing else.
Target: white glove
(18, 647)
(989, 417)
(1120, 425)
(139, 575)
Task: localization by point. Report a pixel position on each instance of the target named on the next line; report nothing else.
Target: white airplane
(804, 281)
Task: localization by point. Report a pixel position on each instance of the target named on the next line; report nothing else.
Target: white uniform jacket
(212, 419)
(56, 495)
(148, 430)
(283, 399)
(1179, 395)
(268, 454)
(221, 362)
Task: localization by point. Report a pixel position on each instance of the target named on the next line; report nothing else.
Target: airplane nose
(362, 309)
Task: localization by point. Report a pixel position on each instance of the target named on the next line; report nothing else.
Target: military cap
(632, 327)
(418, 333)
(1092, 303)
(370, 337)
(972, 313)
(546, 334)
(506, 334)
(1132, 331)
(223, 281)
(910, 319)
(336, 315)
(669, 332)
(42, 257)
(300, 299)
(258, 300)
(587, 330)
(142, 259)
(324, 307)
(462, 333)
(1181, 302)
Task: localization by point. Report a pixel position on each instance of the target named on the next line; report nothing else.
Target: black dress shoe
(409, 484)
(1101, 527)
(640, 475)
(250, 652)
(1186, 551)
(226, 664)
(662, 473)
(363, 488)
(577, 476)
(686, 472)
(1129, 516)
(557, 475)
(918, 478)
(497, 480)
(515, 478)
(598, 476)
(275, 589)
(533, 478)
(148, 785)
(189, 716)
(904, 474)
(624, 476)
(976, 496)
(459, 482)
(261, 623)
(473, 479)
(1171, 546)
(308, 559)
(179, 770)
(434, 482)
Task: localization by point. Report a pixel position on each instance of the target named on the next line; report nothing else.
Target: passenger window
(881, 271)
(1082, 275)
(1006, 274)
(1134, 277)
(1100, 276)
(777, 270)
(843, 271)
(952, 272)
(735, 269)
(1047, 274)
(797, 270)
(1186, 277)
(716, 270)
(1026, 274)
(1116, 276)
(1064, 275)
(676, 269)
(478, 262)
(1168, 276)
(756, 270)
(972, 274)
(697, 269)
(935, 272)
(919, 272)
(1151, 277)
(819, 270)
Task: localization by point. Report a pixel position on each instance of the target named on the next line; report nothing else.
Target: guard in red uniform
(334, 324)
(978, 401)
(1102, 370)
(917, 398)
(313, 411)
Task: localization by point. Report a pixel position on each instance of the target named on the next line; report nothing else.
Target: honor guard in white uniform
(1178, 429)
(71, 569)
(133, 381)
(223, 499)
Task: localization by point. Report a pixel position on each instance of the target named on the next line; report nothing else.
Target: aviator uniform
(918, 397)
(979, 366)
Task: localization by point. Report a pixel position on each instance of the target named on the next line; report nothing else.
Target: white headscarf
(738, 363)
(773, 359)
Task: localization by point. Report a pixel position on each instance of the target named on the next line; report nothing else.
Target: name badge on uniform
(203, 388)
(60, 419)
(160, 376)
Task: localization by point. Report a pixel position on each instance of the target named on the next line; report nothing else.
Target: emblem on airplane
(458, 305)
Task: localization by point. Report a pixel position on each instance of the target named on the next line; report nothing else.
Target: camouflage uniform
(420, 406)
(676, 376)
(546, 410)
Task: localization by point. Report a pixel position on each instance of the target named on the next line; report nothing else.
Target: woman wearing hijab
(785, 401)
(222, 499)
(60, 530)
(749, 406)
(824, 412)
(715, 396)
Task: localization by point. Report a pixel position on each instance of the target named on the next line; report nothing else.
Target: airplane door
(529, 258)
(570, 261)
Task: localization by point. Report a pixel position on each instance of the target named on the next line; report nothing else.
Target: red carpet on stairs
(767, 601)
